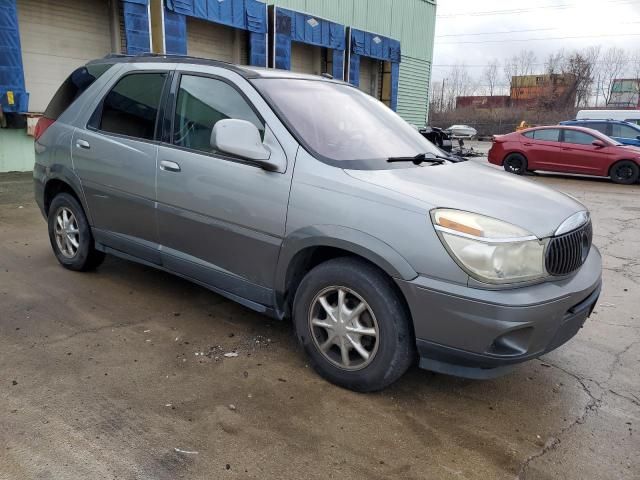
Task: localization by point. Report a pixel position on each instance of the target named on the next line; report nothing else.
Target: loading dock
(305, 43)
(374, 65)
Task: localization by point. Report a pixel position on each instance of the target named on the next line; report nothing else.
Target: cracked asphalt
(122, 374)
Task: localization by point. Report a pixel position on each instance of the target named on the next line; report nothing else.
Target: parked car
(622, 132)
(380, 250)
(461, 131)
(631, 116)
(566, 149)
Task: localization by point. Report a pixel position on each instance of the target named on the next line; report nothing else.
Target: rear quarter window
(74, 86)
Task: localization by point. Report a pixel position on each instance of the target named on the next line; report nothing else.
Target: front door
(221, 220)
(580, 156)
(115, 157)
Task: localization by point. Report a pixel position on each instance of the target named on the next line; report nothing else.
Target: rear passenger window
(529, 134)
(577, 137)
(81, 79)
(547, 134)
(202, 102)
(131, 107)
(600, 127)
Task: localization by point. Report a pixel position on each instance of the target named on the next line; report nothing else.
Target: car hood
(480, 189)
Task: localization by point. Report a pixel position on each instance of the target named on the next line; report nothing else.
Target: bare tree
(614, 63)
(459, 83)
(635, 72)
(490, 75)
(581, 66)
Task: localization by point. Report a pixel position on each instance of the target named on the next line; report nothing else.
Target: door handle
(567, 148)
(169, 166)
(527, 144)
(83, 144)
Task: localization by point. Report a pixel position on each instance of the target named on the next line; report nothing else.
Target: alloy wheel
(344, 328)
(67, 233)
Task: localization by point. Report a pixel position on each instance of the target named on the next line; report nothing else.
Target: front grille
(566, 253)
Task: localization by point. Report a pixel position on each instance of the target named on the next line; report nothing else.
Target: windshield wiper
(418, 159)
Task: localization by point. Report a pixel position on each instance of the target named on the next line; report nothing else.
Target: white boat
(462, 131)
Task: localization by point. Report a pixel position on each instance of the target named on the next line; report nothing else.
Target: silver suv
(301, 197)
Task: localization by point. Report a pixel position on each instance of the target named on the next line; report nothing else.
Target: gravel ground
(121, 374)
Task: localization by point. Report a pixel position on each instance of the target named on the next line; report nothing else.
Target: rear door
(543, 149)
(580, 156)
(221, 219)
(115, 158)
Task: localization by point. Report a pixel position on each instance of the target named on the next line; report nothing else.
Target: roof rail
(174, 58)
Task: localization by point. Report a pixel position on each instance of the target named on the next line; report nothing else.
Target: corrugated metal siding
(410, 21)
(413, 90)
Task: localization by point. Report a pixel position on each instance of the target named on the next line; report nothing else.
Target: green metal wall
(16, 150)
(410, 21)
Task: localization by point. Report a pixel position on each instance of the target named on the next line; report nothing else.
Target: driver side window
(202, 102)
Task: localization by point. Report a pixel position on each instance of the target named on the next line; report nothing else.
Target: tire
(515, 163)
(625, 172)
(391, 350)
(64, 238)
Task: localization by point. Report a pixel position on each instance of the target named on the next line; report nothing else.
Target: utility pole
(442, 97)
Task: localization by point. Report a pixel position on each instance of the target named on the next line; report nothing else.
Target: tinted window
(73, 87)
(202, 102)
(624, 131)
(131, 107)
(547, 134)
(529, 134)
(600, 127)
(577, 137)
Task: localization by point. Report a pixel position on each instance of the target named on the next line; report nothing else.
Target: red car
(566, 149)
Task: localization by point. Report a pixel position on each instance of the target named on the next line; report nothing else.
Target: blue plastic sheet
(309, 29)
(175, 33)
(243, 14)
(136, 26)
(13, 96)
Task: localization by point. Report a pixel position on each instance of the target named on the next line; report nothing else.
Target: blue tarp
(13, 96)
(250, 15)
(243, 14)
(305, 28)
(175, 33)
(136, 26)
(367, 44)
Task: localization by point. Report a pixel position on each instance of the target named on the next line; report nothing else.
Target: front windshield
(341, 123)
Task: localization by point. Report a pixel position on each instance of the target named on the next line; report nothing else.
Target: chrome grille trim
(566, 253)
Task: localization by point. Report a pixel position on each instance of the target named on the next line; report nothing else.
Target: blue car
(624, 132)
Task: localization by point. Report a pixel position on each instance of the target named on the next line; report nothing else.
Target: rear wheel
(70, 235)
(515, 163)
(625, 172)
(353, 325)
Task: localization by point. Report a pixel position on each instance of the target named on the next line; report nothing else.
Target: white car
(462, 131)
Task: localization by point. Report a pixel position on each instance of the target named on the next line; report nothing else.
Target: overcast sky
(604, 21)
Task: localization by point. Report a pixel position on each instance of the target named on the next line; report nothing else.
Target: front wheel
(353, 326)
(625, 172)
(515, 163)
(70, 235)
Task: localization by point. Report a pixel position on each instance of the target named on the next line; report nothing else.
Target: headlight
(488, 249)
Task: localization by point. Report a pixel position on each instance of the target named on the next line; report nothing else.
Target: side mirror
(638, 137)
(598, 144)
(241, 138)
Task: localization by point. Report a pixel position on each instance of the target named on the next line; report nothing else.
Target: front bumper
(477, 333)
